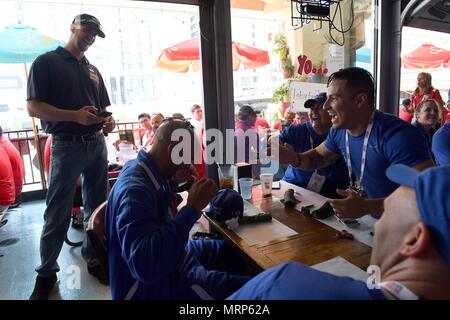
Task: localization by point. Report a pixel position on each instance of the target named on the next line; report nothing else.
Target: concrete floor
(19, 255)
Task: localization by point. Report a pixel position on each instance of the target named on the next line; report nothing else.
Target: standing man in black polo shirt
(67, 93)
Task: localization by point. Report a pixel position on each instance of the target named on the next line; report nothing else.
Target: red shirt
(201, 167)
(16, 163)
(446, 116)
(404, 115)
(416, 98)
(6, 180)
(261, 122)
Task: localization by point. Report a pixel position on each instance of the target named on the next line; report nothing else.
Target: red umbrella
(180, 57)
(427, 56)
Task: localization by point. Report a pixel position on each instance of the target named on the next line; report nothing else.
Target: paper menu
(263, 232)
(338, 266)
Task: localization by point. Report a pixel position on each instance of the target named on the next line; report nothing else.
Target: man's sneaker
(97, 271)
(43, 287)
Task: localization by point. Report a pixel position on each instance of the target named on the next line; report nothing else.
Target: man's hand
(109, 124)
(351, 207)
(86, 116)
(284, 151)
(200, 194)
(184, 174)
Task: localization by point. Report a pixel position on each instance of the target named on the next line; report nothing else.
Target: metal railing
(25, 142)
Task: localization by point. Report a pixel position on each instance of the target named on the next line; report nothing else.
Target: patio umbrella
(23, 44)
(180, 57)
(427, 56)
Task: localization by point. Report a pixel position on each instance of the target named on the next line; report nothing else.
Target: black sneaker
(97, 271)
(43, 287)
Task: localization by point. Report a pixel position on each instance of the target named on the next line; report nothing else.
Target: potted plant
(281, 95)
(318, 76)
(282, 50)
(288, 69)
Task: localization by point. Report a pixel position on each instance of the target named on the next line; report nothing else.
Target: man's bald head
(175, 146)
(167, 128)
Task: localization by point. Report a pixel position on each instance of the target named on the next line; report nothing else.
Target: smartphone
(276, 185)
(104, 114)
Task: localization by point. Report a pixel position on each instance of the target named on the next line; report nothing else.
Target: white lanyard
(131, 292)
(398, 290)
(150, 175)
(312, 146)
(358, 183)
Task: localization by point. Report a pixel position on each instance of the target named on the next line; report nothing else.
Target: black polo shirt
(59, 79)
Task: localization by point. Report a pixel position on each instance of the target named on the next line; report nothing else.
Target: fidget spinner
(344, 234)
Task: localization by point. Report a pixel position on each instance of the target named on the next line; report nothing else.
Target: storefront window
(136, 34)
(303, 58)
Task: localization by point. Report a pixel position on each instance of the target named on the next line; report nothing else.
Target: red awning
(427, 56)
(180, 57)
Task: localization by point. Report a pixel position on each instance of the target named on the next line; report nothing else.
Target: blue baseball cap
(226, 205)
(319, 98)
(433, 198)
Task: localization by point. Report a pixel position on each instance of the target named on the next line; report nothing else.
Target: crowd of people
(365, 161)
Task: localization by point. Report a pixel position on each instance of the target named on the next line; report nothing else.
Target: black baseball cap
(319, 98)
(90, 22)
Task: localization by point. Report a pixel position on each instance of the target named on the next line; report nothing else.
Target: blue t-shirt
(441, 145)
(294, 281)
(391, 141)
(298, 136)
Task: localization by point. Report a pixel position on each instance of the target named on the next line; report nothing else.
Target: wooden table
(314, 243)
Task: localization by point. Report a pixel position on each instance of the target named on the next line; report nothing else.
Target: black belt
(76, 138)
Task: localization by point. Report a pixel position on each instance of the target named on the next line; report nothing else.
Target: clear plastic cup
(245, 184)
(226, 177)
(266, 184)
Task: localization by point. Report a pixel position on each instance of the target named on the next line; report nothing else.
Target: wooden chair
(96, 233)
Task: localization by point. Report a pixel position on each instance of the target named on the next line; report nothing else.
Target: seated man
(146, 124)
(304, 137)
(150, 256)
(157, 119)
(411, 250)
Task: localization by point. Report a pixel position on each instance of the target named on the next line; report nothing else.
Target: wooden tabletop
(314, 242)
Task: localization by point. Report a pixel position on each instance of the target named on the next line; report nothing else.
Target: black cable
(332, 25)
(341, 30)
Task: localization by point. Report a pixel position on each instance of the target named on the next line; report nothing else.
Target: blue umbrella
(23, 44)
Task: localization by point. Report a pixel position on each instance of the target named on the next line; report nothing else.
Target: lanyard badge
(357, 184)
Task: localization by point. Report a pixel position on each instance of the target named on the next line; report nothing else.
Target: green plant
(282, 50)
(280, 93)
(288, 67)
(281, 47)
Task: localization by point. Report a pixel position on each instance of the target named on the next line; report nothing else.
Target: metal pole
(37, 143)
